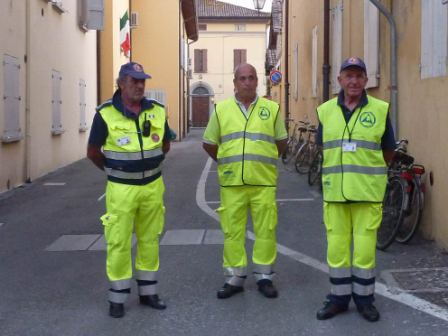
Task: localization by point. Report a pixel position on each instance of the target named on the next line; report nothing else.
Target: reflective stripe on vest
(247, 153)
(132, 156)
(360, 174)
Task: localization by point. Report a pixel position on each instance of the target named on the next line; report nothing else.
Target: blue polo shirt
(99, 132)
(388, 139)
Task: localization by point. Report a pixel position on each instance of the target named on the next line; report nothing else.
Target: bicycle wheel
(411, 221)
(393, 212)
(303, 159)
(315, 169)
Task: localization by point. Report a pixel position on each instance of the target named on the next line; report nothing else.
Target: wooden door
(201, 105)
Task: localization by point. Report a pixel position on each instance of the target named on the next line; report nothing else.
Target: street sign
(275, 77)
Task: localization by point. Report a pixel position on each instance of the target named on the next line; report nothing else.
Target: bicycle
(295, 140)
(307, 151)
(403, 201)
(315, 172)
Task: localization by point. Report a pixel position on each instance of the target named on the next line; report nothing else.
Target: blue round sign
(275, 77)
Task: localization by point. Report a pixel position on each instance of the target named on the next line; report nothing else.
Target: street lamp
(259, 4)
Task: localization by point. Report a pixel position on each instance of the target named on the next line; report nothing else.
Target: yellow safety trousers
(235, 203)
(129, 208)
(344, 221)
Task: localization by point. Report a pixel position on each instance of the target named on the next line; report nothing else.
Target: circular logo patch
(155, 137)
(138, 67)
(264, 113)
(367, 119)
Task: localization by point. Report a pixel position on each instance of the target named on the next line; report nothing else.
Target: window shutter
(11, 99)
(56, 122)
(91, 14)
(204, 60)
(336, 45)
(371, 42)
(197, 60)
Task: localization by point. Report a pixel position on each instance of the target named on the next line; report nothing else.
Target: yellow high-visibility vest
(353, 166)
(247, 154)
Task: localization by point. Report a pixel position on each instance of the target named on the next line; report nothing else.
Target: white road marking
(391, 293)
(101, 197)
(54, 184)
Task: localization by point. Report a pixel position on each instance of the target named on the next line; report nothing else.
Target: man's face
(132, 89)
(353, 80)
(246, 82)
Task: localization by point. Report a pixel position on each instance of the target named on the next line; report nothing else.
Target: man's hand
(281, 146)
(95, 155)
(212, 150)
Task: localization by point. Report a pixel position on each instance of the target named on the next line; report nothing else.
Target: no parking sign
(275, 77)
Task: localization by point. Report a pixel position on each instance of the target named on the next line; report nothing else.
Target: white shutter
(371, 42)
(91, 14)
(336, 45)
(434, 39)
(56, 120)
(314, 63)
(11, 99)
(82, 106)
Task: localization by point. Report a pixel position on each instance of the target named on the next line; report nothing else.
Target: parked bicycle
(307, 151)
(403, 201)
(295, 140)
(315, 172)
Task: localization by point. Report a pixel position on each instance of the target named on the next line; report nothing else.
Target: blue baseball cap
(133, 70)
(353, 62)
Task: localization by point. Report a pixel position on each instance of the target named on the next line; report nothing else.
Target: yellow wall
(155, 44)
(51, 41)
(220, 39)
(422, 116)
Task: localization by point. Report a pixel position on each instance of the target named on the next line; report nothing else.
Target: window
(239, 57)
(434, 39)
(56, 102)
(202, 26)
(90, 14)
(11, 99)
(336, 45)
(200, 60)
(240, 27)
(371, 42)
(314, 63)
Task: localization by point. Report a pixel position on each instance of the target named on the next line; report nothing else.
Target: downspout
(181, 94)
(287, 114)
(326, 65)
(27, 150)
(393, 64)
(98, 67)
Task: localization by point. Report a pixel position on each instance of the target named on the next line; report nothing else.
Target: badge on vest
(348, 146)
(123, 141)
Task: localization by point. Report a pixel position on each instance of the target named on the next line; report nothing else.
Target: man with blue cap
(128, 140)
(358, 140)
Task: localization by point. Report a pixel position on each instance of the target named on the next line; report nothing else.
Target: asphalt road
(47, 291)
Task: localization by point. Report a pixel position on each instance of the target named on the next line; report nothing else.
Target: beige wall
(51, 41)
(422, 116)
(220, 40)
(155, 44)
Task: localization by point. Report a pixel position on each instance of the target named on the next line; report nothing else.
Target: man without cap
(358, 140)
(245, 136)
(128, 140)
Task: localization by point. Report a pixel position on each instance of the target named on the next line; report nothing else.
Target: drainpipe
(393, 64)
(326, 65)
(287, 114)
(27, 150)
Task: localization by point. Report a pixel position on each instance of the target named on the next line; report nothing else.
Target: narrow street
(52, 263)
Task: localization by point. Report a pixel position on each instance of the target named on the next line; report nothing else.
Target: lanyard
(350, 131)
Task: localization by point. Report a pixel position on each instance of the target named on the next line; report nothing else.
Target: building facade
(228, 35)
(414, 80)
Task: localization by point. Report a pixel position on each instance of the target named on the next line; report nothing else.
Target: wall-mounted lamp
(259, 4)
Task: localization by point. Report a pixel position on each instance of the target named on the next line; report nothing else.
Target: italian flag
(125, 32)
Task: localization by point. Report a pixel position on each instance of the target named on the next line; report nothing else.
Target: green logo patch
(367, 119)
(264, 113)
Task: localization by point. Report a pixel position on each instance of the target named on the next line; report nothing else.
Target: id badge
(123, 141)
(348, 146)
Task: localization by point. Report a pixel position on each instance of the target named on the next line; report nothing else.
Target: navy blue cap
(353, 62)
(133, 70)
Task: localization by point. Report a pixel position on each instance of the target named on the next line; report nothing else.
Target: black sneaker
(228, 290)
(266, 287)
(369, 312)
(152, 301)
(116, 310)
(330, 310)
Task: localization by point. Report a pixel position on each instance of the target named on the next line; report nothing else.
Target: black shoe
(369, 312)
(152, 301)
(228, 290)
(116, 310)
(330, 310)
(266, 287)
